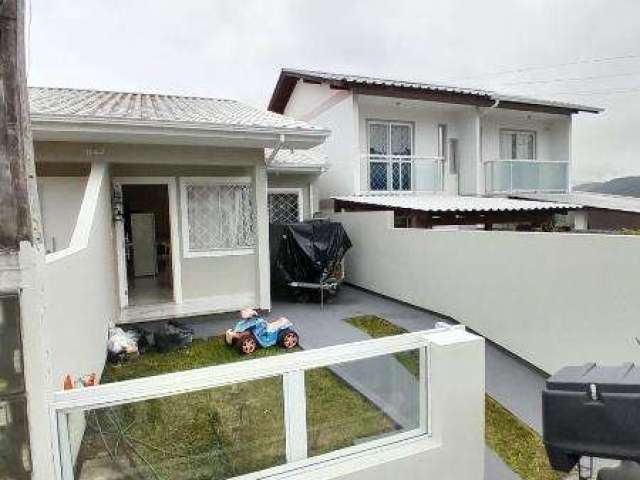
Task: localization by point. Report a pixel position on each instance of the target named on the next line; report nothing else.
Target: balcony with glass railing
(403, 173)
(526, 176)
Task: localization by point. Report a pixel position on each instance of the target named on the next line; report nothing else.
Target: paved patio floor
(321, 328)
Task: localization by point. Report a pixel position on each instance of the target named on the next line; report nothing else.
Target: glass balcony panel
(379, 396)
(524, 176)
(427, 175)
(212, 434)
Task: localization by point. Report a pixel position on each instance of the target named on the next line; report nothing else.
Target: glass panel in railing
(499, 176)
(356, 402)
(427, 175)
(378, 175)
(213, 434)
(553, 176)
(525, 176)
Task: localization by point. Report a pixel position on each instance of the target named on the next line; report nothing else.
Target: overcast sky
(235, 49)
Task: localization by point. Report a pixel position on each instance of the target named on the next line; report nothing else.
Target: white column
(580, 220)
(263, 277)
(295, 415)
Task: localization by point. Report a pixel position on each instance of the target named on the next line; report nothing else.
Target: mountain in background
(627, 186)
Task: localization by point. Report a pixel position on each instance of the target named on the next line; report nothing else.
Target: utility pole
(19, 210)
(25, 392)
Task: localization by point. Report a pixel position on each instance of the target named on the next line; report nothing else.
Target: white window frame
(298, 191)
(515, 131)
(389, 158)
(220, 252)
(291, 367)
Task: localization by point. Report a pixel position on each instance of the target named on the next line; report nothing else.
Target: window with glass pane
(219, 216)
(378, 175)
(214, 434)
(389, 144)
(378, 139)
(400, 139)
(379, 396)
(517, 145)
(284, 207)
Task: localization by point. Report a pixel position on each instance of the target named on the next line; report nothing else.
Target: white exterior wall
(336, 110)
(80, 294)
(553, 132)
(425, 118)
(303, 182)
(60, 199)
(477, 131)
(553, 299)
(235, 281)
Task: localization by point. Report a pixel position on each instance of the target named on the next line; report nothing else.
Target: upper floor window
(390, 145)
(517, 145)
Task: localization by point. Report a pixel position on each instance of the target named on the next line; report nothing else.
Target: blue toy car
(253, 331)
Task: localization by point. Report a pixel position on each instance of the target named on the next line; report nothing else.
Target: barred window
(218, 215)
(285, 205)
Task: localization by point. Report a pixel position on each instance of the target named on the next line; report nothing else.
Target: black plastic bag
(309, 252)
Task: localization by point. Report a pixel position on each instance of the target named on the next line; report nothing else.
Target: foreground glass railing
(403, 173)
(519, 176)
(247, 419)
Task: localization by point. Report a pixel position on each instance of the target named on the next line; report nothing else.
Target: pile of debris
(130, 342)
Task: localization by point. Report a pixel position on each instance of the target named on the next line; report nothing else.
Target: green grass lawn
(519, 446)
(222, 432)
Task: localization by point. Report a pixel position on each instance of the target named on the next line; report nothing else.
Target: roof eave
(311, 169)
(288, 79)
(58, 128)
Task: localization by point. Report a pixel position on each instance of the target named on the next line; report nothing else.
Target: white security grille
(220, 217)
(284, 207)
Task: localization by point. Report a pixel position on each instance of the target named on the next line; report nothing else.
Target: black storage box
(592, 411)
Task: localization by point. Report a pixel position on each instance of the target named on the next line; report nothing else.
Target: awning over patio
(430, 210)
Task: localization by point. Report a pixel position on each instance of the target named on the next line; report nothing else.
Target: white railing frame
(438, 161)
(489, 172)
(290, 366)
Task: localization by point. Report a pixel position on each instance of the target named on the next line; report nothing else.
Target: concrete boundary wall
(553, 299)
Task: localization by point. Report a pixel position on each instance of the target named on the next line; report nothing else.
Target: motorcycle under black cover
(304, 252)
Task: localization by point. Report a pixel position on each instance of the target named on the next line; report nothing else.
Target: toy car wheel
(246, 344)
(288, 339)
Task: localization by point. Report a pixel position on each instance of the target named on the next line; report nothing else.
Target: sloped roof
(590, 199)
(455, 203)
(429, 91)
(149, 108)
(286, 159)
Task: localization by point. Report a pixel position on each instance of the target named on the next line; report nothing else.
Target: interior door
(143, 239)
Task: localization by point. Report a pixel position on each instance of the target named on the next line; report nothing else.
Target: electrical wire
(555, 65)
(597, 92)
(570, 79)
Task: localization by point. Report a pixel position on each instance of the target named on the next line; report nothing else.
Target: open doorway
(147, 246)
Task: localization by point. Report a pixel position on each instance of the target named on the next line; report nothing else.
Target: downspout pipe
(275, 151)
(481, 172)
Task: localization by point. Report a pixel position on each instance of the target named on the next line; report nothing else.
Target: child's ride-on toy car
(253, 330)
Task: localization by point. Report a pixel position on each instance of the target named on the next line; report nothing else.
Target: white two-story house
(395, 144)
